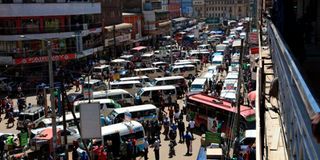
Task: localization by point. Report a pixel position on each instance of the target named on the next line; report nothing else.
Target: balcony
(48, 9)
(297, 105)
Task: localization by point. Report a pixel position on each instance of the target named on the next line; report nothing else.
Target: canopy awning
(179, 19)
(119, 26)
(162, 24)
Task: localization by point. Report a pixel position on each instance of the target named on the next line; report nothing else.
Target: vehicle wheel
(203, 128)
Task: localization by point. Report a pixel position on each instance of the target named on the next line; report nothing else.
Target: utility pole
(114, 40)
(52, 100)
(236, 147)
(64, 105)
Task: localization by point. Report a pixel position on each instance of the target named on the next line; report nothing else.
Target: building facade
(174, 8)
(186, 8)
(199, 9)
(229, 9)
(73, 30)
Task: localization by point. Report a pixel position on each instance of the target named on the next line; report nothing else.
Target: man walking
(191, 126)
(146, 147)
(188, 139)
(156, 149)
(181, 128)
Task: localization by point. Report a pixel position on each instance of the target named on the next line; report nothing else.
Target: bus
(208, 112)
(139, 113)
(106, 105)
(117, 135)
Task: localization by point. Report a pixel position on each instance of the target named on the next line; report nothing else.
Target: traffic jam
(199, 83)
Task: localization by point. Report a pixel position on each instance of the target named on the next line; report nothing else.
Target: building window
(31, 25)
(239, 9)
(8, 26)
(51, 24)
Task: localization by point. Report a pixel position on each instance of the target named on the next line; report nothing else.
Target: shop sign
(253, 38)
(254, 50)
(41, 59)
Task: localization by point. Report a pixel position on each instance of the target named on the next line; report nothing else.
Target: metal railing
(297, 104)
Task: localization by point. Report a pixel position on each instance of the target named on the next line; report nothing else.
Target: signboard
(90, 120)
(41, 59)
(87, 92)
(6, 60)
(254, 50)
(253, 38)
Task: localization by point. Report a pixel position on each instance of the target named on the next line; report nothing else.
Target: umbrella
(252, 96)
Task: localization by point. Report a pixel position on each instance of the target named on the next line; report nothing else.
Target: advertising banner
(41, 59)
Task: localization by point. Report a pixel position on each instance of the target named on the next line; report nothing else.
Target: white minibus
(116, 135)
(147, 94)
(46, 122)
(144, 80)
(150, 72)
(130, 86)
(199, 85)
(140, 113)
(187, 71)
(106, 105)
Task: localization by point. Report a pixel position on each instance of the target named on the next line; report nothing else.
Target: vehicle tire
(203, 128)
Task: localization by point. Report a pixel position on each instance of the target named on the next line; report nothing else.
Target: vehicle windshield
(140, 92)
(96, 70)
(196, 87)
(112, 115)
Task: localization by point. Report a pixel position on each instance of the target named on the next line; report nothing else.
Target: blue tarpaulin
(202, 154)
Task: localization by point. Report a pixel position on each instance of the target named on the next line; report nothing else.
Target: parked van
(130, 86)
(101, 71)
(140, 113)
(229, 95)
(217, 60)
(188, 62)
(147, 93)
(144, 80)
(161, 65)
(147, 59)
(232, 75)
(186, 71)
(106, 105)
(121, 96)
(230, 84)
(32, 115)
(199, 85)
(222, 48)
(94, 85)
(178, 81)
(118, 134)
(150, 72)
(47, 122)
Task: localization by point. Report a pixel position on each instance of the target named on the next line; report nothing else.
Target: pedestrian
(188, 138)
(129, 148)
(166, 128)
(29, 106)
(210, 85)
(169, 99)
(176, 116)
(191, 126)
(156, 146)
(171, 114)
(146, 149)
(77, 85)
(181, 128)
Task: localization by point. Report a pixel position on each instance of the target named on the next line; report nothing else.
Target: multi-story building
(174, 8)
(230, 9)
(199, 8)
(186, 8)
(72, 27)
(155, 21)
(117, 34)
(164, 4)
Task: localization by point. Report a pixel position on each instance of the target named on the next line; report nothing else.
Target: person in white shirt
(191, 126)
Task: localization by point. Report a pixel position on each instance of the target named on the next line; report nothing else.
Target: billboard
(90, 120)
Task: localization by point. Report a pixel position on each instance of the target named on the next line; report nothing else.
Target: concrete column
(318, 24)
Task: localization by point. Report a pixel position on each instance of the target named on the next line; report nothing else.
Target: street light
(53, 113)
